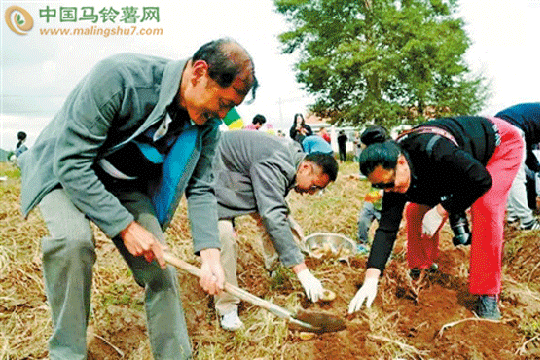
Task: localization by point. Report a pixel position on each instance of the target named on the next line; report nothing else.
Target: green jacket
(119, 99)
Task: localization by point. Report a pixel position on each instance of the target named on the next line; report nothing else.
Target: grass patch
(403, 322)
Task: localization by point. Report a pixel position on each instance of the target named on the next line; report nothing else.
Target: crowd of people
(124, 162)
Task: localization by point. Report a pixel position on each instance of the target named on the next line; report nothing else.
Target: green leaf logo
(18, 20)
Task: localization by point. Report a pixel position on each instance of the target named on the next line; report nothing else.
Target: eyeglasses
(383, 186)
(315, 188)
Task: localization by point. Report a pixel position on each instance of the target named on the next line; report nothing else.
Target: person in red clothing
(324, 134)
(448, 165)
(258, 121)
(526, 117)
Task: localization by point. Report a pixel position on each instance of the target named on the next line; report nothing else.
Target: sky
(38, 71)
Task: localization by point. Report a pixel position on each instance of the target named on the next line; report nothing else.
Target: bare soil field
(428, 318)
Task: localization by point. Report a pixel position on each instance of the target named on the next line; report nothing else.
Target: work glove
(432, 221)
(311, 284)
(367, 292)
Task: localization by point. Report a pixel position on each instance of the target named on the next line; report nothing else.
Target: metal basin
(330, 245)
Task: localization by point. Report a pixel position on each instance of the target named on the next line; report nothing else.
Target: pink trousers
(487, 217)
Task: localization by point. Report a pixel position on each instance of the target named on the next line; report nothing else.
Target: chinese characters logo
(128, 14)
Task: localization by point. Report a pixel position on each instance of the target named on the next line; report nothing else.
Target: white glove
(311, 284)
(431, 222)
(367, 291)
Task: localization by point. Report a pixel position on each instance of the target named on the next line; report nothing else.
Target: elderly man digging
(135, 134)
(255, 171)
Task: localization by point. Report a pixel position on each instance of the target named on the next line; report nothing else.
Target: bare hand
(141, 242)
(212, 276)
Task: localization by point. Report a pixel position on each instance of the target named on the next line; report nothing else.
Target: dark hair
(385, 154)
(226, 60)
(258, 119)
(327, 162)
(373, 134)
(301, 116)
(21, 135)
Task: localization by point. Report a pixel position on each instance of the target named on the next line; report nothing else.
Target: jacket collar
(172, 76)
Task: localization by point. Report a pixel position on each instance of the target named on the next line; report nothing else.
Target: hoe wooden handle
(239, 293)
(230, 288)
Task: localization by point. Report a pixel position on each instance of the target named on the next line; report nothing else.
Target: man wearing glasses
(255, 171)
(135, 135)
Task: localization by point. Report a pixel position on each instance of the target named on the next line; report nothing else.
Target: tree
(381, 60)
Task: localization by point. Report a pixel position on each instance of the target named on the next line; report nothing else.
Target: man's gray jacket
(254, 173)
(119, 99)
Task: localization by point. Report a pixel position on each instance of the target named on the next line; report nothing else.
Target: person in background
(133, 136)
(443, 167)
(342, 145)
(534, 195)
(299, 129)
(315, 143)
(357, 144)
(21, 138)
(530, 185)
(372, 205)
(255, 179)
(258, 121)
(324, 134)
(526, 117)
(268, 128)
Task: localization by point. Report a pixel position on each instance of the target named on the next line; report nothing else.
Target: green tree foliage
(382, 60)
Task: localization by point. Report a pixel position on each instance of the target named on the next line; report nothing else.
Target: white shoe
(231, 321)
(532, 225)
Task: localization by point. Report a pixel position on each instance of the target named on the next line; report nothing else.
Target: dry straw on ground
(405, 322)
